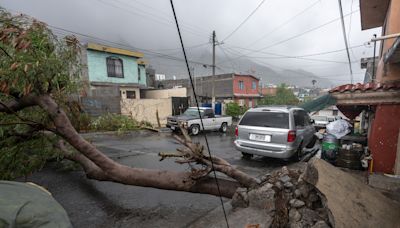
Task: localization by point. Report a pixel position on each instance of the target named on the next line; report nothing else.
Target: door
(209, 120)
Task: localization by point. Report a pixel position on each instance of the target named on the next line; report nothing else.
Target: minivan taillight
(291, 136)
(236, 132)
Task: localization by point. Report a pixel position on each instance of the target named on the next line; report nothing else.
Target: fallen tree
(39, 74)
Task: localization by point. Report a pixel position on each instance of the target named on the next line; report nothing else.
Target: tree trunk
(99, 166)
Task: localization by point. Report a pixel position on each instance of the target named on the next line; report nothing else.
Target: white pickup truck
(191, 121)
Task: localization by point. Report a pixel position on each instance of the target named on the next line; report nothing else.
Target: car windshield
(266, 119)
(193, 112)
(320, 118)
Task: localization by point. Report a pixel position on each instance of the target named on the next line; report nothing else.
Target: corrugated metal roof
(371, 86)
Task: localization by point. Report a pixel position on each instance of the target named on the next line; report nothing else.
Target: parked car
(320, 121)
(274, 131)
(191, 121)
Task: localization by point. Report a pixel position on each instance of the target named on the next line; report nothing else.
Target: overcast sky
(149, 25)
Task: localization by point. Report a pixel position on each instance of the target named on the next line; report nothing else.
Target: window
(298, 119)
(130, 94)
(139, 72)
(254, 85)
(266, 119)
(241, 85)
(115, 67)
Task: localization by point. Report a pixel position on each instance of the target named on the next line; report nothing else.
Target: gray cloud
(149, 25)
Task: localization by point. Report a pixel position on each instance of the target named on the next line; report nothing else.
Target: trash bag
(338, 128)
(27, 205)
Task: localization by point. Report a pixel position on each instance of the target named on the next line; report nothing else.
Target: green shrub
(114, 122)
(233, 109)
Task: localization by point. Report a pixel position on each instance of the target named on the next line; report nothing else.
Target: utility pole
(213, 70)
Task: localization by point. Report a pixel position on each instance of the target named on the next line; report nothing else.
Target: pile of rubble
(287, 199)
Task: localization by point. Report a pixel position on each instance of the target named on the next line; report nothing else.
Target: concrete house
(242, 89)
(380, 95)
(113, 72)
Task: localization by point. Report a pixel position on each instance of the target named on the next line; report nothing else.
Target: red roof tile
(364, 87)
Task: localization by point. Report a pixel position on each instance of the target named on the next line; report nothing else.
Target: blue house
(113, 72)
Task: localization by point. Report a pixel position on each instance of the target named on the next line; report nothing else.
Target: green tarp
(319, 103)
(25, 205)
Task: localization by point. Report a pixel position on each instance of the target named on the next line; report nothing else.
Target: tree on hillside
(284, 96)
(314, 82)
(38, 75)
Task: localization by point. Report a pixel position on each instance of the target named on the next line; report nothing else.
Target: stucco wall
(389, 72)
(247, 80)
(97, 68)
(383, 137)
(165, 93)
(145, 109)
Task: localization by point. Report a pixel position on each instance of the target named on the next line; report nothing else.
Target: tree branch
(101, 167)
(16, 105)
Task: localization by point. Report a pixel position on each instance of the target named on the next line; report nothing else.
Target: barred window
(115, 67)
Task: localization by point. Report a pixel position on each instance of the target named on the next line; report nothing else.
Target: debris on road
(321, 195)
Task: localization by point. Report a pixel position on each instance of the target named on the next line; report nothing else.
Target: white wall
(165, 93)
(145, 109)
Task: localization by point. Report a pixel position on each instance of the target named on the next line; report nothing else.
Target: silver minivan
(274, 131)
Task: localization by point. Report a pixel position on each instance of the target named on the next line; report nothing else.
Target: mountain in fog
(228, 64)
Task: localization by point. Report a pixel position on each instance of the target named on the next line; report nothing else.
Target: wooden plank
(352, 202)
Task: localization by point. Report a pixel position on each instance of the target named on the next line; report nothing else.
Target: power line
(153, 17)
(198, 109)
(283, 24)
(345, 40)
(245, 20)
(226, 55)
(297, 35)
(302, 57)
(149, 52)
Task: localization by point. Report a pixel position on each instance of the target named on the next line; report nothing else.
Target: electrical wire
(198, 109)
(297, 35)
(245, 20)
(283, 24)
(345, 40)
(149, 52)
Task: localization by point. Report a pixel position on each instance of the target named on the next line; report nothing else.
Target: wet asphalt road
(103, 204)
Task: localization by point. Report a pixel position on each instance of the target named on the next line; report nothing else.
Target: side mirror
(312, 121)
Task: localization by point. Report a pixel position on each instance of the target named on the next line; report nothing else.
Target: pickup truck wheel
(224, 127)
(195, 129)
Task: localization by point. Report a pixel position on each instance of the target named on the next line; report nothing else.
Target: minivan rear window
(266, 119)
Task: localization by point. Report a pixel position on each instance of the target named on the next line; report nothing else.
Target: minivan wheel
(195, 129)
(247, 155)
(223, 128)
(312, 142)
(299, 154)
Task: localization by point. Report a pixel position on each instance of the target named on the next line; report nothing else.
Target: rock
(284, 178)
(240, 198)
(304, 189)
(309, 216)
(313, 197)
(279, 185)
(297, 193)
(296, 225)
(296, 203)
(294, 215)
(288, 185)
(285, 170)
(320, 224)
(262, 198)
